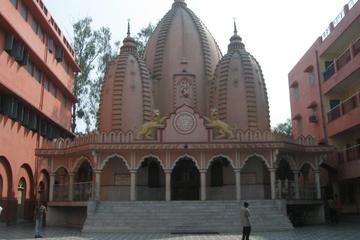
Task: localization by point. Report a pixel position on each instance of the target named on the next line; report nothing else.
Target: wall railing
(344, 107)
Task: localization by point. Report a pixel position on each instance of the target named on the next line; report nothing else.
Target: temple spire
(128, 32)
(235, 28)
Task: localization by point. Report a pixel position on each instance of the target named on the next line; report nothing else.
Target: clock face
(184, 123)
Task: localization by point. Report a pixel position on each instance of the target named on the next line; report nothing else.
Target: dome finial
(128, 32)
(235, 29)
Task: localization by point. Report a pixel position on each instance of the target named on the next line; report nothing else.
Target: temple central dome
(181, 55)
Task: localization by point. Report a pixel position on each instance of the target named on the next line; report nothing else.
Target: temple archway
(83, 182)
(185, 180)
(150, 180)
(255, 179)
(61, 186)
(285, 180)
(115, 180)
(43, 188)
(21, 197)
(307, 182)
(220, 180)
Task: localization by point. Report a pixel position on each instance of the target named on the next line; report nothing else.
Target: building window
(65, 101)
(46, 84)
(52, 89)
(296, 91)
(37, 74)
(311, 77)
(14, 3)
(24, 11)
(35, 26)
(30, 67)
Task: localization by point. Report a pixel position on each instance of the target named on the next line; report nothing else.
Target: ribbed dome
(181, 55)
(126, 97)
(238, 89)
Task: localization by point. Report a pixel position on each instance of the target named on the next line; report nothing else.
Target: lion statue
(214, 122)
(156, 122)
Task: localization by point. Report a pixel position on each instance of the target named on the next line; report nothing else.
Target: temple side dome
(181, 55)
(126, 97)
(239, 90)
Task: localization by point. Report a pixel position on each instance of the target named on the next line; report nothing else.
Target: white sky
(276, 32)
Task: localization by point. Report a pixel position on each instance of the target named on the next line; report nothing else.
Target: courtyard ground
(347, 230)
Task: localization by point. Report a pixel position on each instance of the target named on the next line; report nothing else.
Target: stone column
(203, 184)
(97, 187)
(238, 184)
(296, 184)
(71, 186)
(168, 185)
(51, 190)
(317, 182)
(133, 185)
(273, 182)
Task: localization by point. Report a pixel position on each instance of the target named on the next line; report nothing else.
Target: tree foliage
(284, 128)
(142, 38)
(93, 52)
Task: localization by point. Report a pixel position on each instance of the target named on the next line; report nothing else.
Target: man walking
(245, 221)
(39, 214)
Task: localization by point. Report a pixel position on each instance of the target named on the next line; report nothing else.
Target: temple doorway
(185, 180)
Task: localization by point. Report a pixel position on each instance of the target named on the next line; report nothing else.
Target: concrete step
(183, 216)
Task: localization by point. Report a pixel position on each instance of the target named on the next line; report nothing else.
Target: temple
(182, 127)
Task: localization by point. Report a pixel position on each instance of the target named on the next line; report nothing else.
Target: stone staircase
(183, 216)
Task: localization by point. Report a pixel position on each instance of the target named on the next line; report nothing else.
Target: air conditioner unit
(9, 42)
(313, 119)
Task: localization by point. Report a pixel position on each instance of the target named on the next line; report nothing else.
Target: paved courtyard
(345, 231)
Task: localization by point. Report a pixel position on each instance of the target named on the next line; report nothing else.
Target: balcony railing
(61, 192)
(348, 154)
(342, 60)
(344, 107)
(338, 18)
(353, 153)
(81, 191)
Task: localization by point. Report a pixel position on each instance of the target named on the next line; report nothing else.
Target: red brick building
(325, 101)
(36, 80)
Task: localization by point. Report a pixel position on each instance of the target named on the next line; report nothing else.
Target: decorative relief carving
(184, 123)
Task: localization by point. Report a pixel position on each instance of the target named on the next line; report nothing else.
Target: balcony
(344, 107)
(340, 62)
(81, 192)
(344, 116)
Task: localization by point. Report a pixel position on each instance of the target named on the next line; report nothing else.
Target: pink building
(325, 102)
(36, 79)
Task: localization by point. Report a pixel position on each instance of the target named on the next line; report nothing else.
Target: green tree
(284, 128)
(142, 38)
(93, 52)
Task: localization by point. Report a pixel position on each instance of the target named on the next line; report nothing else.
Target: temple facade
(181, 123)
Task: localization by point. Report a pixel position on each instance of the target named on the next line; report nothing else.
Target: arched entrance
(83, 182)
(185, 180)
(220, 179)
(21, 195)
(61, 186)
(43, 188)
(307, 182)
(150, 181)
(285, 180)
(255, 179)
(115, 180)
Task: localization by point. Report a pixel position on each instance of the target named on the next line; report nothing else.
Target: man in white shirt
(245, 221)
(1, 209)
